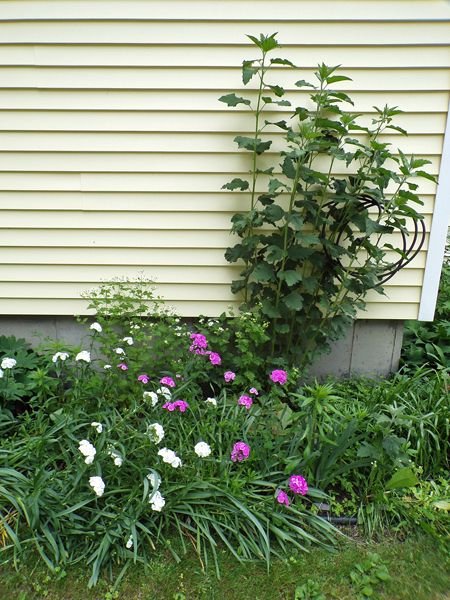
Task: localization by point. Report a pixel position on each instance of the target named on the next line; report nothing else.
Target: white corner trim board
(438, 234)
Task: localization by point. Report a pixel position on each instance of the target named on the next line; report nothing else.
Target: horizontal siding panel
(176, 220)
(395, 10)
(172, 292)
(195, 56)
(96, 274)
(217, 79)
(117, 256)
(137, 201)
(11, 142)
(127, 182)
(194, 122)
(137, 257)
(198, 162)
(57, 306)
(60, 306)
(165, 274)
(72, 290)
(426, 101)
(224, 33)
(128, 238)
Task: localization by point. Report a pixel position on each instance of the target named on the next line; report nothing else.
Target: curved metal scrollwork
(411, 241)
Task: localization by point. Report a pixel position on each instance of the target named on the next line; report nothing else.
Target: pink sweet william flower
(279, 376)
(122, 367)
(199, 343)
(180, 405)
(253, 391)
(214, 358)
(144, 378)
(240, 452)
(167, 381)
(298, 485)
(282, 498)
(229, 376)
(245, 401)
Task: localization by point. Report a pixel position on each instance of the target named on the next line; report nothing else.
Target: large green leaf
(403, 478)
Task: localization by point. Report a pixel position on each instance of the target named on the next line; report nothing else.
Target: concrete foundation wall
(370, 347)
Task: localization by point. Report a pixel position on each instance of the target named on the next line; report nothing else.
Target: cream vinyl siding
(114, 146)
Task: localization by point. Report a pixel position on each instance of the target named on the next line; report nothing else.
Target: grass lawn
(417, 569)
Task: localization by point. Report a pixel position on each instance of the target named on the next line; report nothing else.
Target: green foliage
(368, 575)
(429, 342)
(315, 241)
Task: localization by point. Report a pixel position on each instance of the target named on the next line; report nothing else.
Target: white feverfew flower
(164, 391)
(96, 327)
(119, 350)
(202, 449)
(155, 432)
(151, 396)
(170, 457)
(87, 450)
(97, 484)
(60, 356)
(8, 363)
(211, 401)
(135, 326)
(107, 367)
(83, 355)
(157, 501)
(128, 340)
(129, 543)
(98, 426)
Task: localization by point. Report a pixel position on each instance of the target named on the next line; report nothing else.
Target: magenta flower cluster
(240, 452)
(245, 401)
(167, 381)
(122, 367)
(229, 376)
(282, 498)
(279, 376)
(214, 358)
(199, 343)
(298, 485)
(180, 405)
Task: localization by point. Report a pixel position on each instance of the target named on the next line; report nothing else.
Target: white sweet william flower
(98, 426)
(96, 327)
(107, 366)
(155, 432)
(119, 350)
(170, 457)
(128, 340)
(60, 356)
(1, 373)
(97, 484)
(87, 450)
(118, 460)
(157, 501)
(8, 363)
(202, 449)
(83, 355)
(211, 401)
(164, 391)
(152, 396)
(129, 543)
